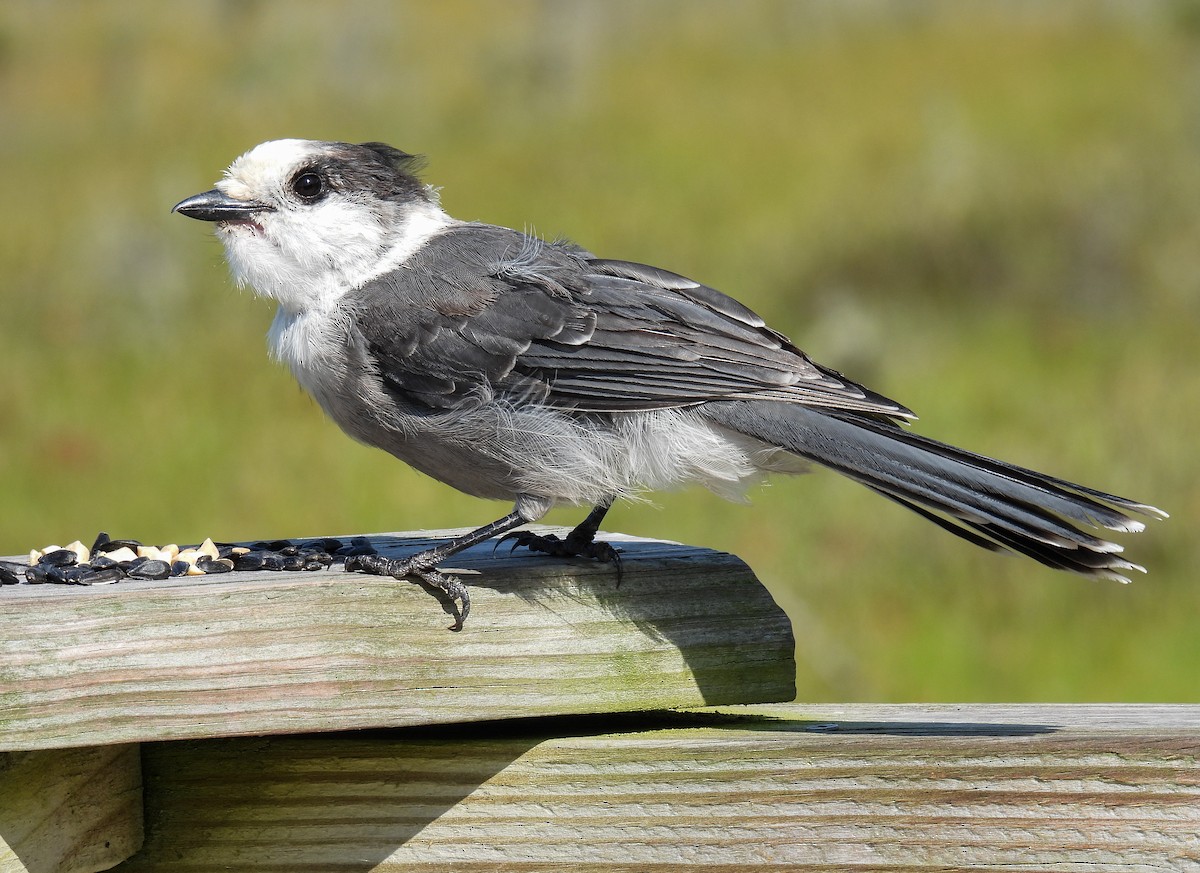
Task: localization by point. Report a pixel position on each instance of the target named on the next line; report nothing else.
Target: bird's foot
(452, 586)
(574, 545)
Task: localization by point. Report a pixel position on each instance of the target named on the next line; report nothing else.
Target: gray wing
(486, 310)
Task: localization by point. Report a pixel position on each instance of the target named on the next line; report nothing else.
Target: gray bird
(517, 369)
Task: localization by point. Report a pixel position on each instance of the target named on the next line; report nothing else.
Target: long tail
(990, 503)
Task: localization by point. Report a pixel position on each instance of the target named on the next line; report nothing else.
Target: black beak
(215, 206)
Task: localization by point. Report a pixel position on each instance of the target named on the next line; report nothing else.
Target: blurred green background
(989, 211)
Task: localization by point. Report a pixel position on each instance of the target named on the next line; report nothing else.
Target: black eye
(308, 186)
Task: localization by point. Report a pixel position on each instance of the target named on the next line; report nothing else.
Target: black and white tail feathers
(990, 503)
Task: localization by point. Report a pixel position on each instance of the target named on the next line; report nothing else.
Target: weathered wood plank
(263, 653)
(900, 788)
(69, 810)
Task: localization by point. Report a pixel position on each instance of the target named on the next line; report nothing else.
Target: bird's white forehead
(266, 166)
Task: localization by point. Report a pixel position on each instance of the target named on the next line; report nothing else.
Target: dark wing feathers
(486, 308)
(656, 278)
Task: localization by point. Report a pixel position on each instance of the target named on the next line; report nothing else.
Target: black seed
(273, 545)
(59, 558)
(358, 546)
(101, 541)
(151, 570)
(293, 562)
(317, 559)
(271, 561)
(11, 573)
(113, 545)
(133, 564)
(323, 558)
(209, 565)
(225, 550)
(249, 561)
(179, 568)
(104, 574)
(37, 574)
(57, 575)
(102, 562)
(325, 544)
(75, 575)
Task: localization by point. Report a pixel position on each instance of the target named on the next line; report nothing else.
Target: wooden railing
(329, 722)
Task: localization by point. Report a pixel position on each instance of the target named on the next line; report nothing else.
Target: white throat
(306, 329)
(310, 267)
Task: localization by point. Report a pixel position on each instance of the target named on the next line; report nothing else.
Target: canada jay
(535, 372)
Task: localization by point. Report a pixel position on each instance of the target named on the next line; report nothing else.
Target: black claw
(452, 586)
(508, 536)
(607, 554)
(571, 547)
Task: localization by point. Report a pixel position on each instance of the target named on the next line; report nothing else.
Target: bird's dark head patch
(373, 168)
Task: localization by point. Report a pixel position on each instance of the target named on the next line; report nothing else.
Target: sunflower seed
(150, 569)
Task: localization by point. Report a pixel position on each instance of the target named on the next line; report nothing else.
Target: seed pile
(109, 560)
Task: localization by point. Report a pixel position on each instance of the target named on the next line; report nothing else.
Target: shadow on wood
(71, 810)
(774, 788)
(674, 594)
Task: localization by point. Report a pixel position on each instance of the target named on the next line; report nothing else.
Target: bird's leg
(423, 565)
(579, 543)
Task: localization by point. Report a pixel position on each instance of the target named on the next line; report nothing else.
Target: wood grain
(900, 788)
(69, 810)
(269, 653)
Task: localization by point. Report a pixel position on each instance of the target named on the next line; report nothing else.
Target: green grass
(987, 212)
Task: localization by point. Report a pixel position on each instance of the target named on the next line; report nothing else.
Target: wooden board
(899, 788)
(69, 810)
(269, 653)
